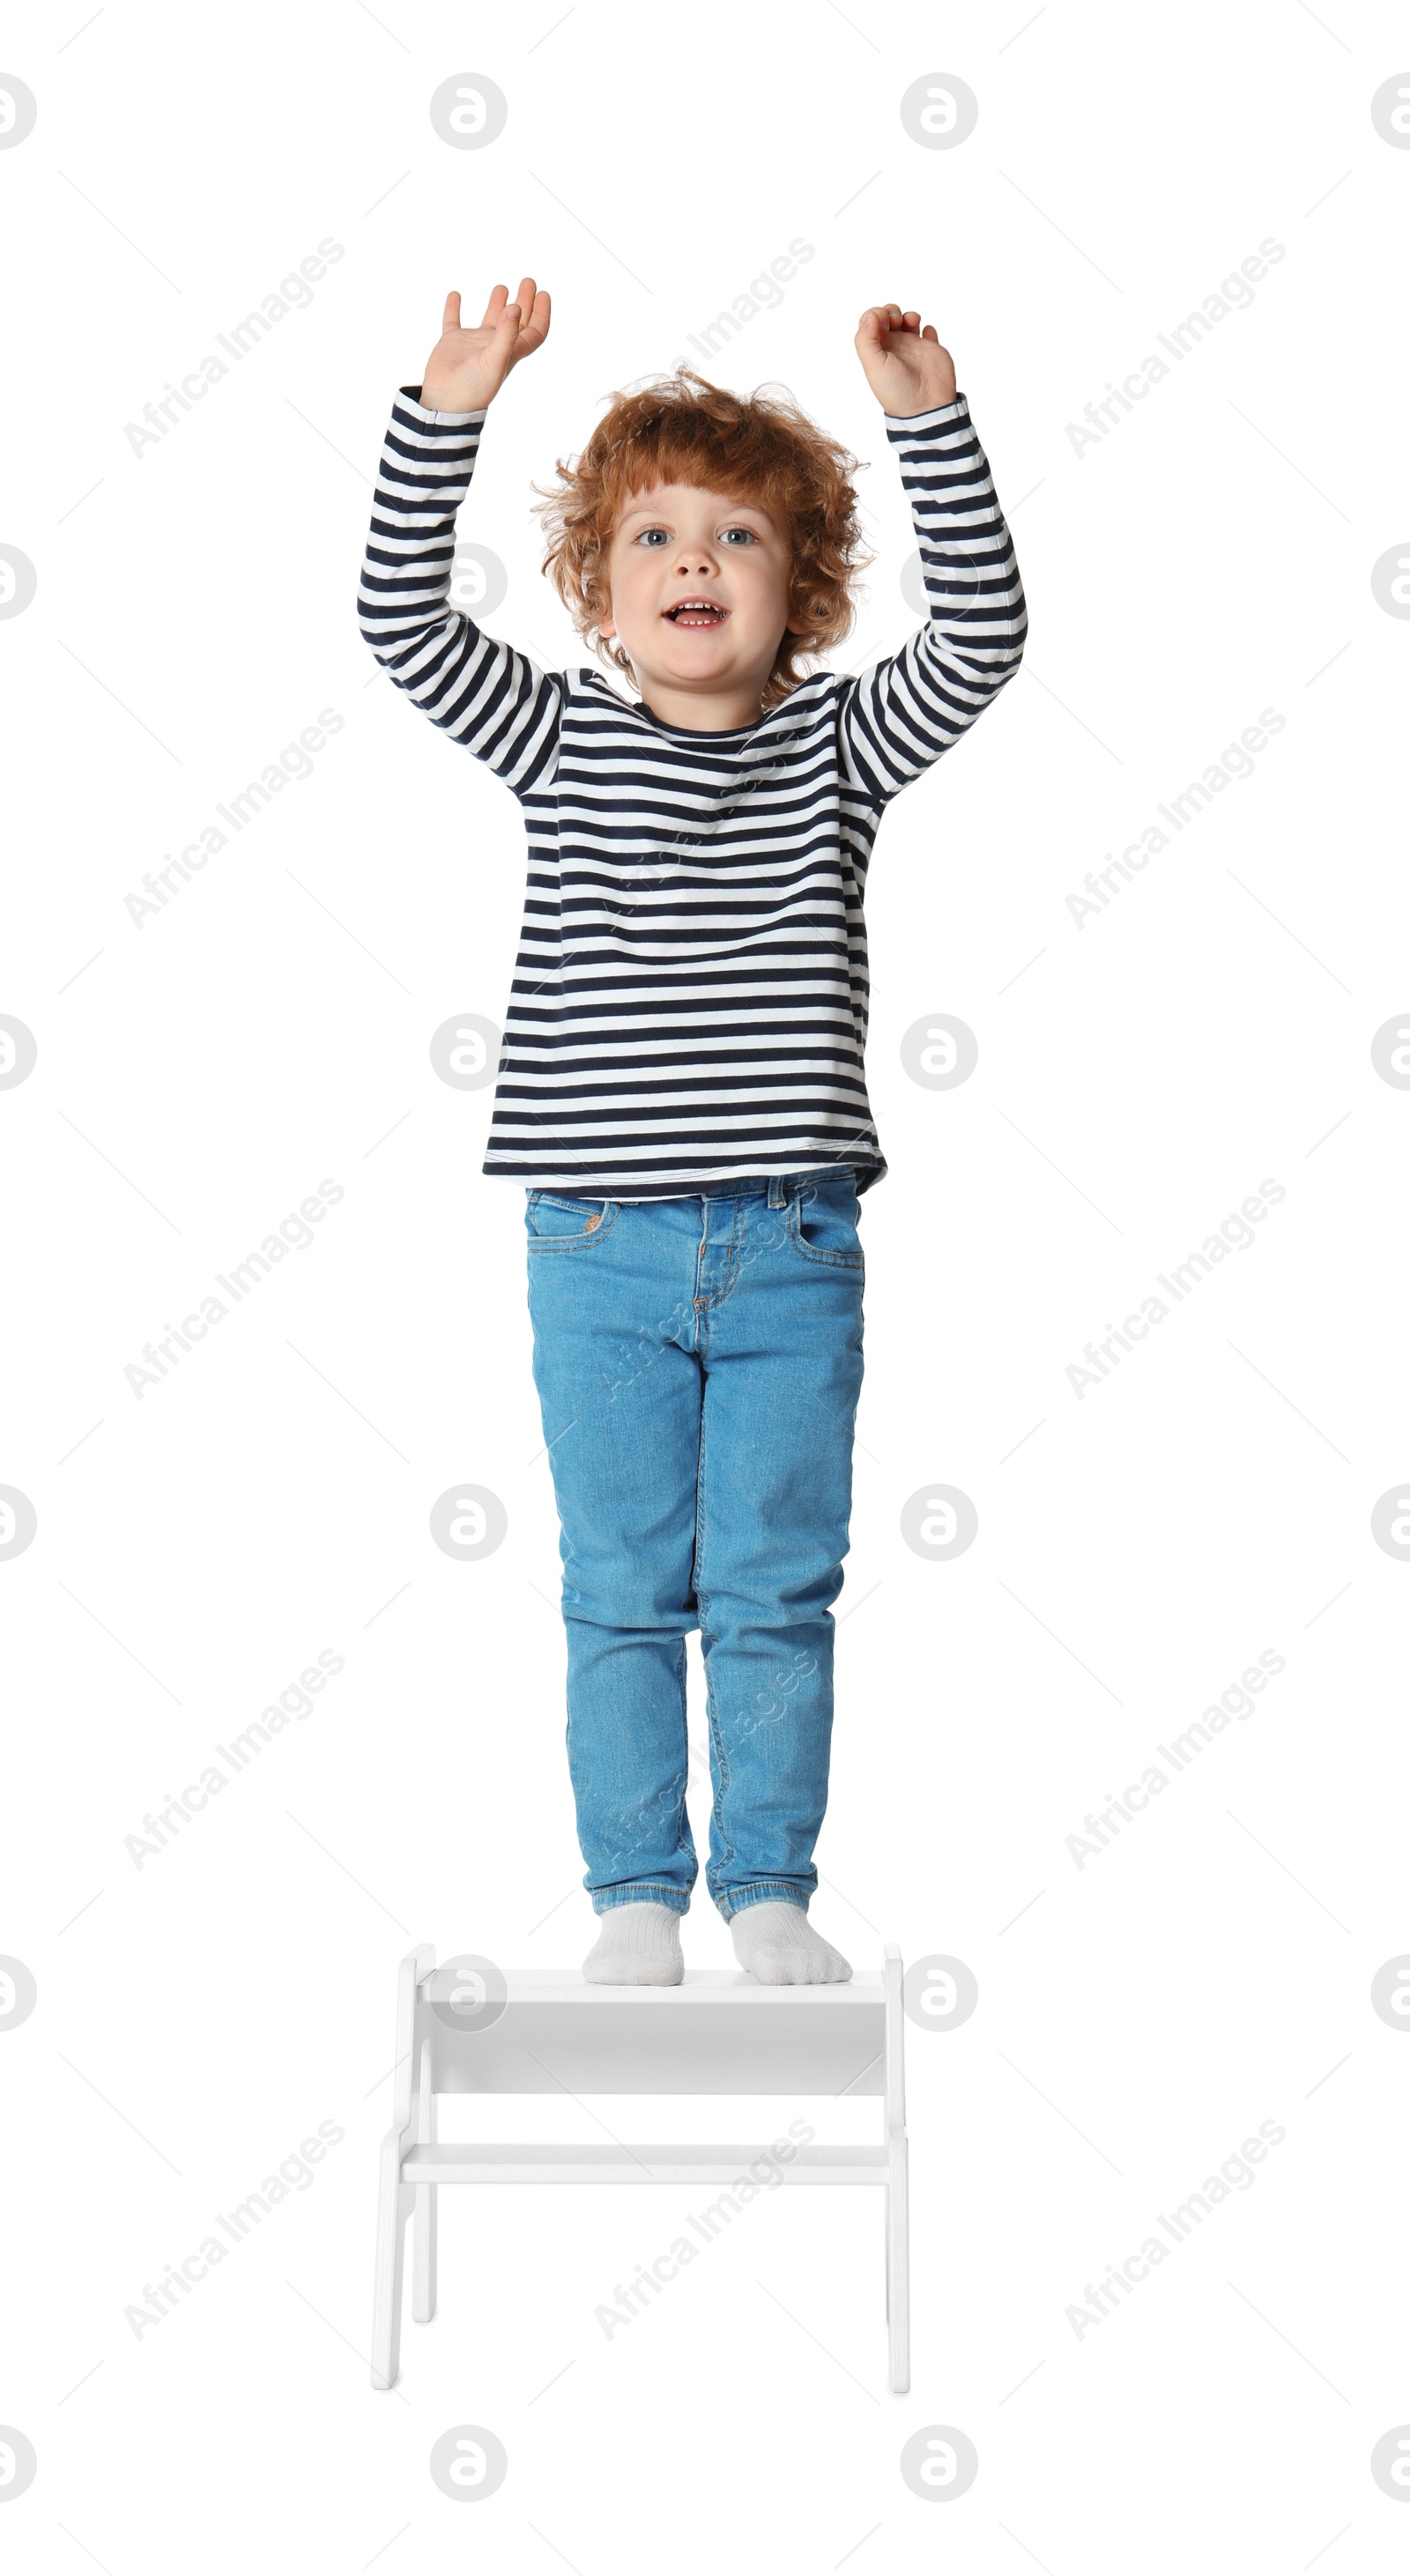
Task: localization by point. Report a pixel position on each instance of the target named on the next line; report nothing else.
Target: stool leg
(423, 2272)
(899, 2268)
(393, 2210)
(395, 2197)
(423, 2266)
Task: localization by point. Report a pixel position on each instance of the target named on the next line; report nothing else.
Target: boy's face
(676, 542)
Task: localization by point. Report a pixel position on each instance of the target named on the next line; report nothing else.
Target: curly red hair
(759, 447)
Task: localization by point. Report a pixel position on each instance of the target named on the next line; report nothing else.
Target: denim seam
(732, 1273)
(644, 1895)
(727, 1852)
(702, 1603)
(569, 1242)
(765, 1891)
(685, 1840)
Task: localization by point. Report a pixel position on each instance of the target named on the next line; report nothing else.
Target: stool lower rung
(670, 2163)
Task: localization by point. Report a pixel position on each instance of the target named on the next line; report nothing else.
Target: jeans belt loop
(777, 1193)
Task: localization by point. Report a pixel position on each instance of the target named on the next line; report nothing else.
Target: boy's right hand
(466, 368)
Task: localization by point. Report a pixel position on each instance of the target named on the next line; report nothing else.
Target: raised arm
(901, 715)
(493, 700)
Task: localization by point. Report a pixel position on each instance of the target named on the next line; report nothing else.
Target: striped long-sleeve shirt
(690, 996)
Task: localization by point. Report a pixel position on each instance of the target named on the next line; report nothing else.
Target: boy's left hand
(905, 366)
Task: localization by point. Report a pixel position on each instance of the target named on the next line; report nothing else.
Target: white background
(1138, 1077)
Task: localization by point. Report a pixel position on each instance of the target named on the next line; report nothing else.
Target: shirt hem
(869, 1170)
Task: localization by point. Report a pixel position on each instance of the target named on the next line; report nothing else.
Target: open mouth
(696, 612)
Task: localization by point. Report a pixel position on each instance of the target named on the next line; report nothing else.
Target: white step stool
(718, 2032)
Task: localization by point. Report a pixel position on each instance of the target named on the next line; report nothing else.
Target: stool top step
(700, 1986)
(472, 2027)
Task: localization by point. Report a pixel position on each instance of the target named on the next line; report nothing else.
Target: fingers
(521, 312)
(535, 320)
(535, 309)
(527, 319)
(879, 319)
(523, 304)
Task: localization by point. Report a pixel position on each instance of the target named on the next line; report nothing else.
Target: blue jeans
(698, 1362)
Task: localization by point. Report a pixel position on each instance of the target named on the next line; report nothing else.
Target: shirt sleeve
(494, 701)
(899, 716)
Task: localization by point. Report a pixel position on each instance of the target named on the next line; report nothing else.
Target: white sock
(638, 1945)
(778, 1946)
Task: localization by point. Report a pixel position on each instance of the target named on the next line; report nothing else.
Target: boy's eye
(648, 535)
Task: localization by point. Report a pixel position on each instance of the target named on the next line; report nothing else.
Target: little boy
(681, 1090)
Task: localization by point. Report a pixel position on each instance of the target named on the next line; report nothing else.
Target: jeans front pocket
(557, 1224)
(822, 1223)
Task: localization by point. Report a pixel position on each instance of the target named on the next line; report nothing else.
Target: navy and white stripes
(689, 1003)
